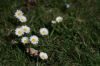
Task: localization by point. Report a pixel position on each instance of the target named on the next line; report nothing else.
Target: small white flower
(19, 31)
(59, 19)
(53, 22)
(22, 19)
(67, 5)
(44, 31)
(18, 13)
(34, 39)
(26, 29)
(43, 55)
(25, 40)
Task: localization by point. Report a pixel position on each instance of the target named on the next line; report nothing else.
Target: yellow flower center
(22, 19)
(33, 40)
(25, 29)
(19, 14)
(43, 32)
(19, 32)
(25, 41)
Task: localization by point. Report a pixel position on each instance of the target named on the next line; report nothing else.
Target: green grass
(74, 42)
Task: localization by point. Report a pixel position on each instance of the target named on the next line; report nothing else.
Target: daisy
(53, 22)
(25, 40)
(26, 29)
(44, 31)
(67, 5)
(19, 31)
(34, 39)
(59, 19)
(43, 55)
(22, 19)
(18, 13)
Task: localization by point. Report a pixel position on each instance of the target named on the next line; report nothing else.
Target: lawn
(73, 42)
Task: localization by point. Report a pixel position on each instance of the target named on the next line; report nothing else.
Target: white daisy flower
(19, 31)
(34, 39)
(22, 19)
(43, 55)
(67, 5)
(25, 40)
(44, 31)
(18, 13)
(53, 22)
(26, 29)
(59, 19)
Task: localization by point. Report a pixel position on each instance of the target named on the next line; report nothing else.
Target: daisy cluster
(21, 32)
(57, 20)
